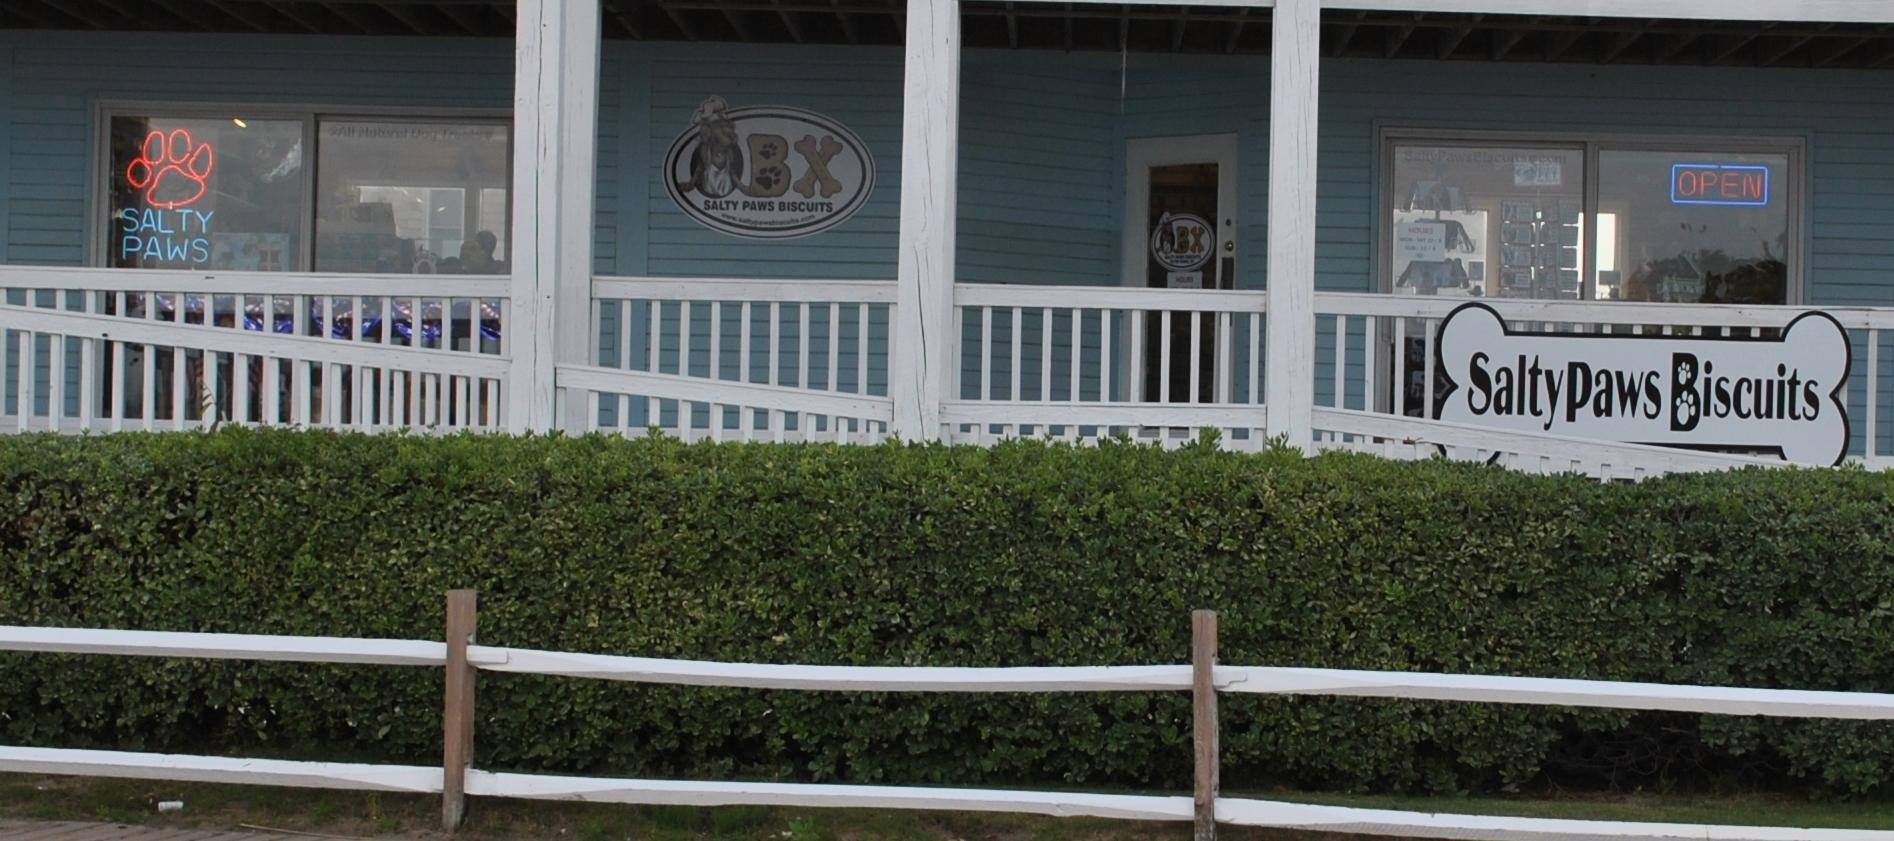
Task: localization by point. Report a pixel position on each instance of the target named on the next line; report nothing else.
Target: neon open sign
(1727, 185)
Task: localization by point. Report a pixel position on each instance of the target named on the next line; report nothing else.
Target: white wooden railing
(108, 350)
(1203, 677)
(1087, 363)
(798, 360)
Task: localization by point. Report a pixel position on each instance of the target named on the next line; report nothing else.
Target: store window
(1628, 219)
(1488, 221)
(204, 193)
(411, 197)
(1701, 227)
(240, 190)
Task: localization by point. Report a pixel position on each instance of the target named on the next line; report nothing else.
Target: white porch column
(923, 347)
(555, 130)
(1295, 51)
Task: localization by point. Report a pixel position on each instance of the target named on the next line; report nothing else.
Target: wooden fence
(462, 658)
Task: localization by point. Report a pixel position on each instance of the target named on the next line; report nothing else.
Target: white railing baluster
(1370, 363)
(1078, 348)
(1164, 357)
(1341, 361)
(986, 353)
(1018, 342)
(1874, 387)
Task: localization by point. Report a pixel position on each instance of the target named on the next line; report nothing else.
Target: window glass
(411, 197)
(205, 193)
(1487, 221)
(1694, 227)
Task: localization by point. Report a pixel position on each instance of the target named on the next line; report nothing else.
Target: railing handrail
(254, 283)
(1605, 312)
(1109, 297)
(42, 320)
(709, 289)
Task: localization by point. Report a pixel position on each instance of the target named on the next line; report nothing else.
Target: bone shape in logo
(818, 157)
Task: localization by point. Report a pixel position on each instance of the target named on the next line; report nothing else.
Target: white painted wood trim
(835, 678)
(1562, 692)
(555, 124)
(1108, 297)
(251, 342)
(1594, 312)
(1227, 415)
(168, 281)
(724, 392)
(732, 289)
(1142, 153)
(1350, 820)
(923, 349)
(386, 652)
(694, 793)
(1825, 11)
(1294, 72)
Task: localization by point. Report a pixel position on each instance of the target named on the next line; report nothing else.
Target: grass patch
(372, 815)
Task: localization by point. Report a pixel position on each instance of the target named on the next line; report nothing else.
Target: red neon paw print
(173, 171)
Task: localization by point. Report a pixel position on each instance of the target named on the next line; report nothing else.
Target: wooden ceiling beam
(410, 18)
(1560, 43)
(850, 31)
(1841, 50)
(1453, 38)
(1236, 30)
(353, 17)
(1618, 45)
(789, 22)
(1348, 33)
(1504, 42)
(65, 12)
(1398, 37)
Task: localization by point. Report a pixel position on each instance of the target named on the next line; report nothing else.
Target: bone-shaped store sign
(1779, 393)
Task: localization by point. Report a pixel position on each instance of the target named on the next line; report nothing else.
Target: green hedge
(1025, 554)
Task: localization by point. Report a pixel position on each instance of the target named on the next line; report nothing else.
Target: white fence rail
(455, 779)
(1097, 362)
(108, 350)
(800, 360)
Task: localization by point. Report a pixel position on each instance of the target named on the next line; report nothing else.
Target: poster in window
(1434, 252)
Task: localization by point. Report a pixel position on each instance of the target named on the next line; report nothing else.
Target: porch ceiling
(1025, 25)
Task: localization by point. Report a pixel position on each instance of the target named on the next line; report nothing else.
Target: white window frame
(98, 179)
(1796, 193)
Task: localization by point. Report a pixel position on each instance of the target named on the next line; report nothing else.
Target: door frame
(1141, 153)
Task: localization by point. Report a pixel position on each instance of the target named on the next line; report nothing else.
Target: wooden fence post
(1203, 690)
(457, 710)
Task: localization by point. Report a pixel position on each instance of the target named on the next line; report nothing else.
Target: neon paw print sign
(172, 170)
(170, 174)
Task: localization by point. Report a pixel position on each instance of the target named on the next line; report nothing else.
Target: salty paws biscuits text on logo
(1779, 394)
(767, 171)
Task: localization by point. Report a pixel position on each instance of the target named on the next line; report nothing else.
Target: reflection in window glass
(1487, 221)
(1697, 228)
(204, 193)
(409, 197)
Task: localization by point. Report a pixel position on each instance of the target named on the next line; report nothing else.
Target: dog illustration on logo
(716, 165)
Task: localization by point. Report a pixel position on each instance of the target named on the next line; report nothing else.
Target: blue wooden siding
(1845, 117)
(1042, 144)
